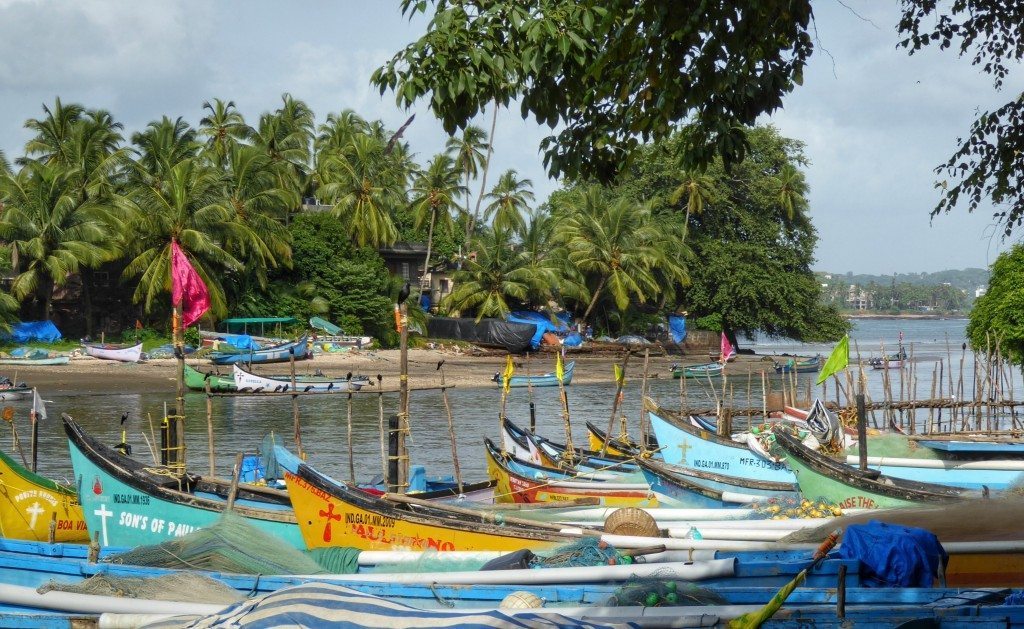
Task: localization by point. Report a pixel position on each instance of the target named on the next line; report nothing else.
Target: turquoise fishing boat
(540, 380)
(684, 486)
(277, 354)
(692, 446)
(707, 370)
(129, 503)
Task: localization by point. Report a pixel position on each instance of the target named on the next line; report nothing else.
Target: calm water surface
(241, 422)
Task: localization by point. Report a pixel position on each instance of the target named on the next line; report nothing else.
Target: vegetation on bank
(732, 247)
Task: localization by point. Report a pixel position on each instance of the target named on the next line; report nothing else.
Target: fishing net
(178, 586)
(587, 551)
(430, 561)
(230, 545)
(662, 592)
(894, 446)
(794, 508)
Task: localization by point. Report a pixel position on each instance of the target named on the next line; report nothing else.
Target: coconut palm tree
(614, 244)
(187, 204)
(363, 186)
(224, 128)
(497, 277)
(53, 232)
(696, 188)
(52, 133)
(161, 146)
(434, 196)
(792, 190)
(469, 155)
(509, 200)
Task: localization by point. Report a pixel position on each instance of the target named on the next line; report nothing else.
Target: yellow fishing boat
(331, 513)
(616, 445)
(523, 482)
(29, 503)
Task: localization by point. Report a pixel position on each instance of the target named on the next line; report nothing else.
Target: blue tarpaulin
(542, 322)
(892, 555)
(241, 341)
(573, 340)
(677, 327)
(27, 331)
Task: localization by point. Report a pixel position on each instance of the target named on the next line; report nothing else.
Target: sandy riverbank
(89, 375)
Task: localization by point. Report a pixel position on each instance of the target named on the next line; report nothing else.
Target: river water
(241, 422)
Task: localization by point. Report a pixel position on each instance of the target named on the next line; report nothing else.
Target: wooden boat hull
(123, 503)
(710, 370)
(331, 513)
(707, 490)
(811, 365)
(15, 393)
(31, 362)
(131, 354)
(557, 487)
(278, 354)
(248, 381)
(616, 447)
(542, 380)
(536, 449)
(30, 502)
(821, 478)
(196, 381)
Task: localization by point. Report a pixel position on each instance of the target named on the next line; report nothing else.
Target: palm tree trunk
(487, 166)
(86, 276)
(48, 300)
(469, 223)
(593, 300)
(430, 245)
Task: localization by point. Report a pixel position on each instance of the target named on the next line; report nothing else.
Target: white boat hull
(247, 381)
(124, 354)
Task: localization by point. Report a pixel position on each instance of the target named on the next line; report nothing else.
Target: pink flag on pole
(727, 350)
(187, 288)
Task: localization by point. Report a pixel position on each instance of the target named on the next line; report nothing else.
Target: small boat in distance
(892, 361)
(810, 365)
(276, 354)
(196, 380)
(246, 381)
(541, 380)
(708, 370)
(109, 351)
(33, 356)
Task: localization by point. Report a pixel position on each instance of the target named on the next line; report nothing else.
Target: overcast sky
(876, 122)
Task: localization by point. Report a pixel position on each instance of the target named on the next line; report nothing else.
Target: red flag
(187, 288)
(727, 350)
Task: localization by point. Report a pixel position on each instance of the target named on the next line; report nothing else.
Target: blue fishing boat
(707, 370)
(1003, 444)
(690, 446)
(682, 485)
(532, 447)
(129, 503)
(811, 365)
(277, 354)
(541, 380)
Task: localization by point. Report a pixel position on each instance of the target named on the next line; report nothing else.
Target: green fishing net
(662, 592)
(177, 586)
(230, 545)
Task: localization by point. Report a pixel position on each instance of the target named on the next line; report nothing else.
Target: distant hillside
(965, 279)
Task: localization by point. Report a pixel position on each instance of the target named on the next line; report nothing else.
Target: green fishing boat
(708, 370)
(828, 480)
(196, 380)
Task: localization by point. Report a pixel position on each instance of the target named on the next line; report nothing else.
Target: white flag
(38, 407)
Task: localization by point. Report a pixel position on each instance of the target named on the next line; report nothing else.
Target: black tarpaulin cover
(514, 337)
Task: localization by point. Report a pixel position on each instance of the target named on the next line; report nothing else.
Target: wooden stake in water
(403, 394)
(451, 427)
(570, 451)
(644, 429)
(295, 404)
(348, 432)
(209, 426)
(380, 419)
(620, 382)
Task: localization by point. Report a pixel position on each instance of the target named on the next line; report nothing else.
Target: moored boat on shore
(277, 354)
(32, 502)
(123, 353)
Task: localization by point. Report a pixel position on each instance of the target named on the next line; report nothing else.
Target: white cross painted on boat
(104, 513)
(34, 511)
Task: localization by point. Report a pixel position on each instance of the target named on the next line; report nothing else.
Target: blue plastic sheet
(573, 340)
(241, 341)
(677, 327)
(892, 555)
(27, 331)
(542, 322)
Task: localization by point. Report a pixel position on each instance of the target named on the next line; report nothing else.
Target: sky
(875, 121)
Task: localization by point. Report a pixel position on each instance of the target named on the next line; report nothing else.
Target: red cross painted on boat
(330, 515)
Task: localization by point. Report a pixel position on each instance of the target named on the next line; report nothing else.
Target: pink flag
(727, 350)
(187, 288)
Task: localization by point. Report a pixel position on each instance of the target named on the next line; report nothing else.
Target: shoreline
(907, 316)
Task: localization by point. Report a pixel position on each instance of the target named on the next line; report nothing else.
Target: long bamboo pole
(451, 427)
(620, 382)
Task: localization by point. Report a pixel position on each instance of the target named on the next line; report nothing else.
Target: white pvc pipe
(91, 604)
(742, 535)
(746, 525)
(743, 499)
(130, 621)
(600, 514)
(1005, 465)
(644, 487)
(376, 557)
(687, 571)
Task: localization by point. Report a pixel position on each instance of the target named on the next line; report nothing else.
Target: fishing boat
(124, 353)
(620, 446)
(810, 365)
(30, 503)
(335, 336)
(197, 380)
(532, 447)
(892, 361)
(277, 354)
(541, 380)
(130, 503)
(247, 381)
(523, 482)
(29, 356)
(823, 478)
(697, 489)
(333, 513)
(973, 444)
(708, 370)
(11, 391)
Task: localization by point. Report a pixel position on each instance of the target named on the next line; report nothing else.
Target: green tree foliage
(510, 199)
(613, 73)
(434, 197)
(998, 315)
(752, 242)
